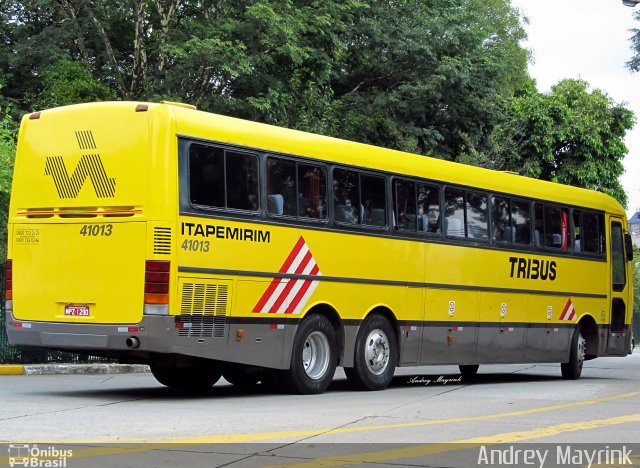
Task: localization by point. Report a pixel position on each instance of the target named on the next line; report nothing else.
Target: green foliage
(634, 63)
(426, 76)
(419, 75)
(67, 82)
(569, 135)
(441, 77)
(7, 156)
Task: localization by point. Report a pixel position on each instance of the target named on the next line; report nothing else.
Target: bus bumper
(157, 335)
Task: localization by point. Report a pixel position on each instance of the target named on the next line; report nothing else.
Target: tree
(7, 156)
(569, 135)
(429, 76)
(67, 82)
(420, 75)
(634, 63)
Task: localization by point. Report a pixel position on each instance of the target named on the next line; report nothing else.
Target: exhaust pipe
(133, 342)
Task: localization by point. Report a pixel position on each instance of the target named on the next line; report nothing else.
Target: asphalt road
(131, 420)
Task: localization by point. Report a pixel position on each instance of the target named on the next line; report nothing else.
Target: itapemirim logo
(90, 166)
(40, 457)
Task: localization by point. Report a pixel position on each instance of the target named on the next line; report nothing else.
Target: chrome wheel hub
(315, 355)
(376, 352)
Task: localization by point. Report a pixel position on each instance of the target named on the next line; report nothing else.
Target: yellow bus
(206, 245)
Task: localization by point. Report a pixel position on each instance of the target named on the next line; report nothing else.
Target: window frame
(389, 229)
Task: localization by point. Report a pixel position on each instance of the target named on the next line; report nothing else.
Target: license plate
(76, 310)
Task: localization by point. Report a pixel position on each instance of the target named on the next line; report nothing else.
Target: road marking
(422, 450)
(463, 444)
(265, 436)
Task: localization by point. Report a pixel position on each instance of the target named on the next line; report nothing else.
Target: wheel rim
(581, 351)
(316, 355)
(376, 352)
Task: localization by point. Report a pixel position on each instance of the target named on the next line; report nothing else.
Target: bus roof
(198, 124)
(267, 137)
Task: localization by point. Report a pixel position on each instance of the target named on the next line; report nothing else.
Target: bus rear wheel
(573, 369)
(313, 358)
(375, 355)
(185, 378)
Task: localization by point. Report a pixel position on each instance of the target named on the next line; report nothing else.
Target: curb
(11, 370)
(72, 369)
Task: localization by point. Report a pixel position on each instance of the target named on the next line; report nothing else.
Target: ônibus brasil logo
(41, 457)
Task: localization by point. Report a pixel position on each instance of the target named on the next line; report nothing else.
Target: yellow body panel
(63, 267)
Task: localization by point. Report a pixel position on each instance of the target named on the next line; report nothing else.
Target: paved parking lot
(506, 404)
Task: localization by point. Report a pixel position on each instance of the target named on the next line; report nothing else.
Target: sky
(588, 39)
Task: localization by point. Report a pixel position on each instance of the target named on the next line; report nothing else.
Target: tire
(313, 358)
(375, 355)
(468, 371)
(571, 370)
(186, 378)
(242, 376)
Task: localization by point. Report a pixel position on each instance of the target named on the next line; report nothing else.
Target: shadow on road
(340, 384)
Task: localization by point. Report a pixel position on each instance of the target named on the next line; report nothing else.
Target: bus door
(618, 335)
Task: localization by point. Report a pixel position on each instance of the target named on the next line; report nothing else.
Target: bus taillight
(156, 287)
(8, 284)
(8, 279)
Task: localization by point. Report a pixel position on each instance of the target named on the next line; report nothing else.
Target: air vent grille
(162, 241)
(203, 310)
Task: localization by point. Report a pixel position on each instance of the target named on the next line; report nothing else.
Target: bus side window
(501, 219)
(577, 231)
(590, 233)
(556, 225)
(345, 196)
(373, 200)
(429, 208)
(241, 181)
(206, 176)
(538, 232)
(281, 187)
(454, 212)
(521, 221)
(312, 191)
(404, 195)
(477, 216)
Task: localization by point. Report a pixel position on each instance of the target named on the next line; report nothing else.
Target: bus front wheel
(375, 355)
(313, 358)
(571, 370)
(242, 375)
(185, 378)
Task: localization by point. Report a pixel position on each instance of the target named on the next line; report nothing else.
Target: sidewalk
(84, 369)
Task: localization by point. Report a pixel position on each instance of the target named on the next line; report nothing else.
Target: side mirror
(628, 246)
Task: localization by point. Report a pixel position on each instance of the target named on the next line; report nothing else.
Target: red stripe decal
(292, 256)
(305, 286)
(290, 284)
(287, 289)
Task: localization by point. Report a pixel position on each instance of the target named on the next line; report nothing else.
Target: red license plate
(76, 310)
